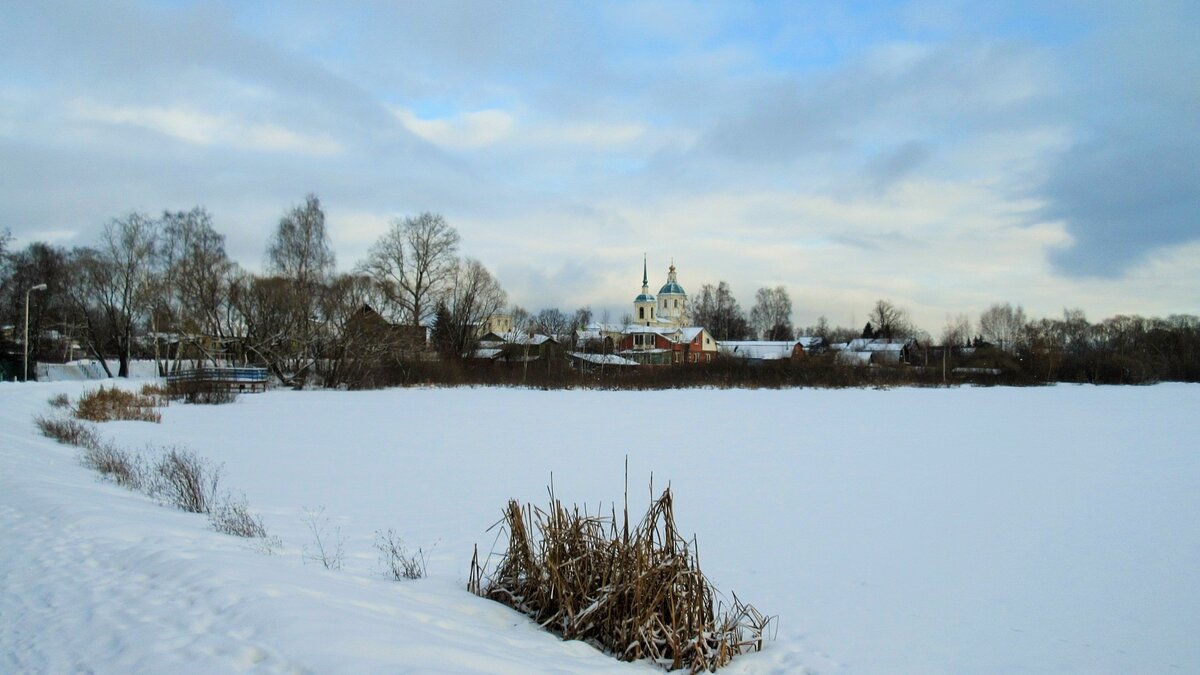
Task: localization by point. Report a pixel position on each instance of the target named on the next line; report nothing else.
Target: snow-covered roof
(597, 327)
(515, 338)
(758, 349)
(852, 358)
(657, 330)
(877, 345)
(604, 359)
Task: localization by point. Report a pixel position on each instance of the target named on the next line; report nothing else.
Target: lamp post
(39, 287)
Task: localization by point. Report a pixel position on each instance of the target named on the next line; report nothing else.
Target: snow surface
(973, 530)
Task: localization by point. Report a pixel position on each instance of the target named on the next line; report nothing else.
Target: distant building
(759, 351)
(876, 351)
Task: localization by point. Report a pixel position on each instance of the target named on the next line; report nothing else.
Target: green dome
(671, 287)
(644, 297)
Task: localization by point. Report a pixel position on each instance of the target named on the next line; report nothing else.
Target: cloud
(941, 154)
(1127, 187)
(466, 130)
(1121, 198)
(194, 126)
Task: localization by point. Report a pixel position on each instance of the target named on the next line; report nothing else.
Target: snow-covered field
(993, 530)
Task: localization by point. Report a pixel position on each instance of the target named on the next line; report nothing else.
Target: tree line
(163, 287)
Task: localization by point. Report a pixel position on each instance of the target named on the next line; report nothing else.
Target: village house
(876, 351)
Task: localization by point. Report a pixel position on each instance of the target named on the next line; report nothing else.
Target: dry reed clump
(156, 392)
(108, 404)
(637, 594)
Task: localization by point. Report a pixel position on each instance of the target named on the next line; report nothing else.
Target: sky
(941, 155)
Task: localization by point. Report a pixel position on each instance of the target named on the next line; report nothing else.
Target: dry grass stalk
(637, 594)
(113, 403)
(157, 392)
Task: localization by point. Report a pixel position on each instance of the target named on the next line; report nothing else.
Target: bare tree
(890, 321)
(957, 331)
(196, 278)
(300, 249)
(474, 296)
(412, 264)
(301, 254)
(37, 263)
(771, 315)
(554, 323)
(274, 324)
(115, 285)
(717, 310)
(1003, 326)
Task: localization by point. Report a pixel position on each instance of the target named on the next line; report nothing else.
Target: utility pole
(39, 287)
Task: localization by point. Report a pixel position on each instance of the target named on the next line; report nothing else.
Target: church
(661, 332)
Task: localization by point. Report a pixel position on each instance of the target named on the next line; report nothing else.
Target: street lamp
(39, 287)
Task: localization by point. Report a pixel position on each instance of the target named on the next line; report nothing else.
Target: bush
(210, 396)
(397, 562)
(156, 392)
(185, 480)
(232, 516)
(60, 401)
(108, 404)
(115, 464)
(638, 595)
(68, 431)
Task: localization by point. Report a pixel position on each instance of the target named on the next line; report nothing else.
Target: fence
(227, 379)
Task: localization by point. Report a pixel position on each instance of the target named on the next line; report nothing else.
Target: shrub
(232, 516)
(638, 594)
(115, 464)
(185, 480)
(60, 401)
(107, 404)
(214, 396)
(68, 431)
(397, 562)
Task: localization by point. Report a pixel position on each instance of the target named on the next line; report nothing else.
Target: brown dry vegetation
(113, 403)
(637, 594)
